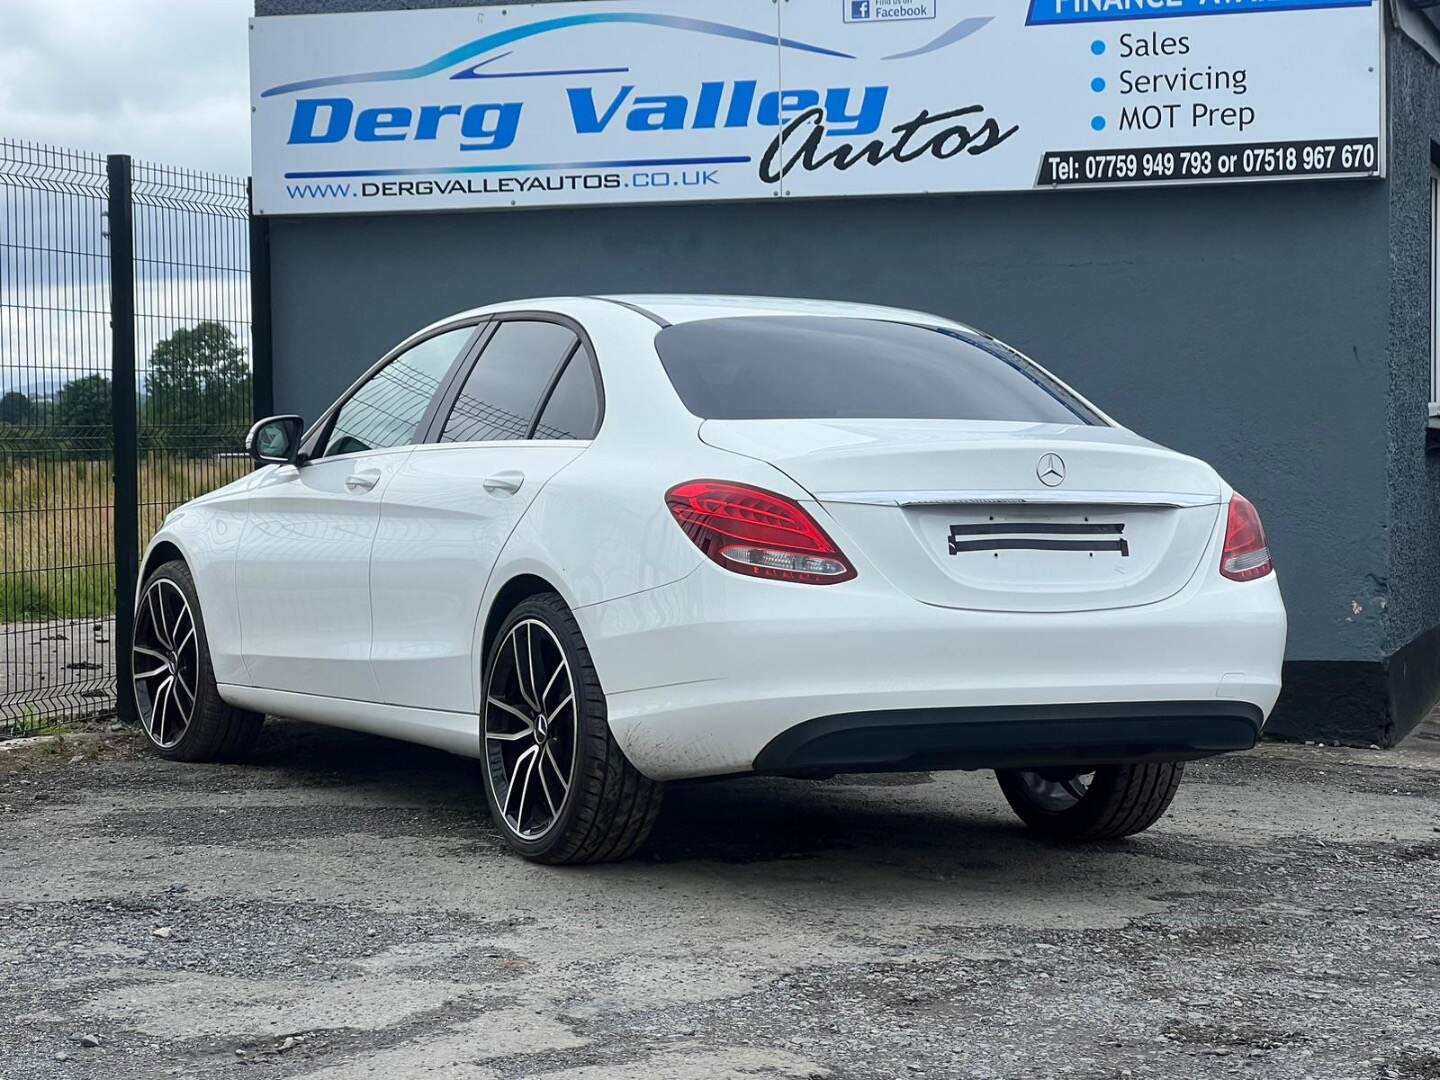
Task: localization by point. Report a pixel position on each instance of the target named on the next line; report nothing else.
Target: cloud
(162, 80)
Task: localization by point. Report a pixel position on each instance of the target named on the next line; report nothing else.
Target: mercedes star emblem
(1051, 470)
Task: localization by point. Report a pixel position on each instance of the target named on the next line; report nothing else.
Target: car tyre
(559, 788)
(176, 699)
(1111, 802)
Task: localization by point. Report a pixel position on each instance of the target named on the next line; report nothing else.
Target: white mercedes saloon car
(603, 543)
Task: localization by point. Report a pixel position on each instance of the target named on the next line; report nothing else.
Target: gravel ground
(339, 907)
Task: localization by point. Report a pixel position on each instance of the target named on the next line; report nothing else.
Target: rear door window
(809, 367)
(503, 390)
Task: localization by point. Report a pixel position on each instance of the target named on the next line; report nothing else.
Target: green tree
(82, 414)
(197, 391)
(15, 408)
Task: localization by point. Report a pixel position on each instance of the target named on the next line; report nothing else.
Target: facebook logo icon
(884, 11)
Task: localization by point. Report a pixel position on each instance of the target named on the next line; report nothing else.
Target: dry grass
(56, 549)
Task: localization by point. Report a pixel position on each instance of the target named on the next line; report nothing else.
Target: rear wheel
(560, 789)
(1105, 803)
(175, 694)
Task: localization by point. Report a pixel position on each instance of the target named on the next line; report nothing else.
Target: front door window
(387, 410)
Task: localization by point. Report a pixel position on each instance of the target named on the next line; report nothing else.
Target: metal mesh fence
(57, 581)
(57, 471)
(192, 334)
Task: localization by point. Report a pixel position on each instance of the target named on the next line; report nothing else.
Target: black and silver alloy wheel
(165, 662)
(176, 696)
(531, 729)
(1055, 789)
(559, 787)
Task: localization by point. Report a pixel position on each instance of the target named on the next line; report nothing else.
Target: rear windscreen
(812, 368)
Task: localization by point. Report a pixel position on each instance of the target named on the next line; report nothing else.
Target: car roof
(681, 308)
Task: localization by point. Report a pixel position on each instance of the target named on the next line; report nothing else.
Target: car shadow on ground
(954, 821)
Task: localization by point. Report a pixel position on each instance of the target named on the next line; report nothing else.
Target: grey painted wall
(1414, 473)
(1251, 325)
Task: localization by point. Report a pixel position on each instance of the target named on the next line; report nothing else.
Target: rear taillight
(1246, 555)
(756, 532)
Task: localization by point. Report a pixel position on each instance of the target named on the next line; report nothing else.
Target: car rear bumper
(705, 675)
(1011, 737)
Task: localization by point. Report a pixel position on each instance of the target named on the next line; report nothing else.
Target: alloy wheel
(165, 659)
(530, 729)
(1054, 790)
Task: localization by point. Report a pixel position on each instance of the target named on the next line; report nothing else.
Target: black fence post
(123, 420)
(262, 371)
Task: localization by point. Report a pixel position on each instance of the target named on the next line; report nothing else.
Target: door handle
(504, 483)
(362, 481)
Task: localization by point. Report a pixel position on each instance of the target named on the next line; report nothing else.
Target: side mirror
(276, 440)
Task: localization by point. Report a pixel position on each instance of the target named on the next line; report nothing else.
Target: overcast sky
(163, 80)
